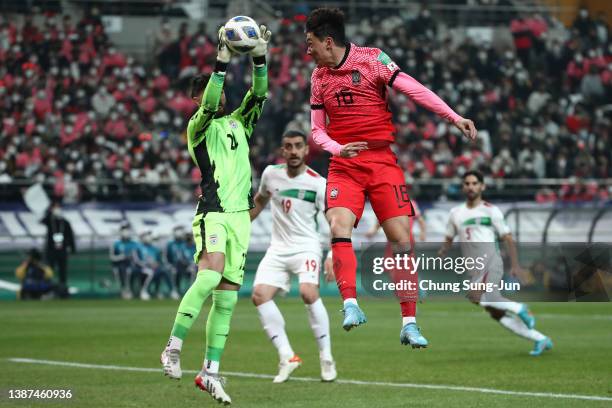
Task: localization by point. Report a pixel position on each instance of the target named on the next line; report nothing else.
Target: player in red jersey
(349, 87)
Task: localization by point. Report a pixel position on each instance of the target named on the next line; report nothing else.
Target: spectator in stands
(121, 254)
(148, 259)
(59, 242)
(35, 276)
(178, 258)
(61, 82)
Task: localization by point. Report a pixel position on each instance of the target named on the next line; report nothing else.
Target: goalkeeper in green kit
(219, 145)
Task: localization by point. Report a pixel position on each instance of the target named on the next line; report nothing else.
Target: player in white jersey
(478, 225)
(297, 194)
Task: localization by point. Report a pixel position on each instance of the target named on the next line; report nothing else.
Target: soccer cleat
(144, 295)
(175, 295)
(213, 384)
(541, 346)
(285, 368)
(410, 334)
(527, 317)
(353, 316)
(328, 370)
(171, 360)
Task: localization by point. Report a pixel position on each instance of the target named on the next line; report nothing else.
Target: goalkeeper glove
(262, 43)
(223, 53)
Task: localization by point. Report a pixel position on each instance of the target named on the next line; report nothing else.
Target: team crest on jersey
(333, 193)
(213, 239)
(356, 77)
(233, 124)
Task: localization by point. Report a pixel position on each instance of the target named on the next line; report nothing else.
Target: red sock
(408, 309)
(345, 267)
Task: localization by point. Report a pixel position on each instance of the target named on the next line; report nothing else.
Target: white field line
(340, 381)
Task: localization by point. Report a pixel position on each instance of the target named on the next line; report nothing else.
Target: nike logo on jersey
(189, 315)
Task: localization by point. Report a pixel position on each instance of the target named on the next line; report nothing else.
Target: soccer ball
(242, 34)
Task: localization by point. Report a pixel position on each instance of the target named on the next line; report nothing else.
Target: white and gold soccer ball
(242, 34)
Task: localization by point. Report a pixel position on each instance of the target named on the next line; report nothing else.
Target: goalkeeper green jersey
(220, 146)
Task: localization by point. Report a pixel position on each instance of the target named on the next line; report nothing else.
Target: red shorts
(374, 173)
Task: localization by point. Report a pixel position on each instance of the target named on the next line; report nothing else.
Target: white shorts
(493, 272)
(276, 269)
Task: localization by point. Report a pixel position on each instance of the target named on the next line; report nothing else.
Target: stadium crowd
(76, 111)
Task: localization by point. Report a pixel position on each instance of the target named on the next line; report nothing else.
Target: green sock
(218, 326)
(189, 309)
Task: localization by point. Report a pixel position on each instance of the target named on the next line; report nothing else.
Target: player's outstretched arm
(260, 203)
(211, 97)
(252, 104)
(429, 100)
(260, 72)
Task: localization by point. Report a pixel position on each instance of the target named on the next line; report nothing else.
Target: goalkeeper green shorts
(228, 233)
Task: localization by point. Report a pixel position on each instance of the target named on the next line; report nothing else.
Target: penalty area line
(311, 379)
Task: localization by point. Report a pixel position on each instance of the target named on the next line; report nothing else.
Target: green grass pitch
(467, 349)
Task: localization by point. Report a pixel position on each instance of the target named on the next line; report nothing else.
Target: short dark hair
(327, 22)
(295, 133)
(474, 173)
(198, 83)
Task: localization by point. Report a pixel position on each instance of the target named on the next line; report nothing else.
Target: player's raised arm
(404, 83)
(209, 100)
(252, 104)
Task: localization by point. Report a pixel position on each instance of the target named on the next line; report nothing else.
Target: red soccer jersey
(354, 96)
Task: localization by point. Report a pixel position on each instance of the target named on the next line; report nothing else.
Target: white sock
(319, 322)
(516, 325)
(274, 325)
(506, 305)
(210, 366)
(174, 343)
(350, 300)
(408, 319)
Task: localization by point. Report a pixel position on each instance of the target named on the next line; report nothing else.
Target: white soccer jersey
(295, 203)
(477, 228)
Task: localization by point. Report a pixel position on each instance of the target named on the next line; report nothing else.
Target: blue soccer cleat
(527, 317)
(541, 346)
(353, 316)
(410, 334)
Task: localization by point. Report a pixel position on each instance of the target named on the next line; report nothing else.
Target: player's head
(324, 31)
(294, 148)
(179, 232)
(198, 84)
(124, 231)
(473, 184)
(146, 237)
(34, 255)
